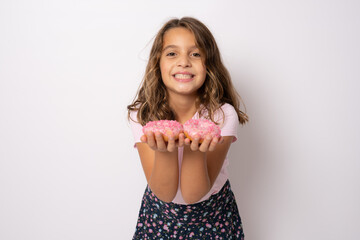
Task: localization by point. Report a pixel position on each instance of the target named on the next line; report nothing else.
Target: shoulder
(133, 116)
(133, 120)
(228, 120)
(228, 109)
(225, 112)
(135, 126)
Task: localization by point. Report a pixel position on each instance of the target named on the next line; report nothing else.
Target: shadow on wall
(247, 159)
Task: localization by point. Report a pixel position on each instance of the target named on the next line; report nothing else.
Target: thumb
(143, 138)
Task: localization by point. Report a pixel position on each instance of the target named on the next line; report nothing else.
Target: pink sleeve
(231, 123)
(136, 127)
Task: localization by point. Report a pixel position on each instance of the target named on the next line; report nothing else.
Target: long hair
(151, 100)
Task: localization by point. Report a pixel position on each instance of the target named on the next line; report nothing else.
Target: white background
(68, 69)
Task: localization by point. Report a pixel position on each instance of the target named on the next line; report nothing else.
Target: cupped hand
(209, 144)
(157, 143)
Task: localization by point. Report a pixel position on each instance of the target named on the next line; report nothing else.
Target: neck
(184, 106)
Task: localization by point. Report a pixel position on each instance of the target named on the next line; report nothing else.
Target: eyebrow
(175, 46)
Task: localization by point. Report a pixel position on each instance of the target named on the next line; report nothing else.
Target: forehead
(179, 37)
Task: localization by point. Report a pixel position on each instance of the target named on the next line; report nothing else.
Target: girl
(188, 194)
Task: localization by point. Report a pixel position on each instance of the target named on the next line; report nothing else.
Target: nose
(184, 61)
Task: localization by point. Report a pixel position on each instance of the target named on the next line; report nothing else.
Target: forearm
(164, 177)
(194, 177)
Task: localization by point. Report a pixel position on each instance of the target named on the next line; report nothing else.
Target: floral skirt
(215, 218)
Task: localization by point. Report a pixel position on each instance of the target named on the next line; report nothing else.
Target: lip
(183, 80)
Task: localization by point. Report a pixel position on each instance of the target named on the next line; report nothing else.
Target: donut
(202, 128)
(165, 127)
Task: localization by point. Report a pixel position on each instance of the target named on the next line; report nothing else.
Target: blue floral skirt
(215, 218)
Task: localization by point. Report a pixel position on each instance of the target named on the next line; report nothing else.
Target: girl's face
(181, 62)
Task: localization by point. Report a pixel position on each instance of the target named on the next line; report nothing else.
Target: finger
(194, 146)
(187, 141)
(205, 144)
(171, 143)
(161, 146)
(221, 140)
(213, 144)
(151, 140)
(143, 139)
(181, 140)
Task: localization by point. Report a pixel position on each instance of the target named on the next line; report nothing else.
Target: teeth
(183, 76)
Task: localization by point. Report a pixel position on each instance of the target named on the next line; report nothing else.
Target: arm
(160, 164)
(201, 166)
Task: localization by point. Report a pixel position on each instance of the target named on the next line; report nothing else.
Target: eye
(196, 54)
(170, 54)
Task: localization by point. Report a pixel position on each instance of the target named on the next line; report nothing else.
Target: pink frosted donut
(202, 128)
(165, 127)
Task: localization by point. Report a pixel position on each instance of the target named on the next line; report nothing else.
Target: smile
(183, 77)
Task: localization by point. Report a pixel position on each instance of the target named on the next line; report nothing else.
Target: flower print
(160, 222)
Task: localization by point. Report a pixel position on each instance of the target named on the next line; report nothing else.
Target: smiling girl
(188, 193)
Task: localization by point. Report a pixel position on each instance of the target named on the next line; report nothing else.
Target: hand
(157, 143)
(209, 144)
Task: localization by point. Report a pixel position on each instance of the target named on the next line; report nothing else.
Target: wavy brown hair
(151, 100)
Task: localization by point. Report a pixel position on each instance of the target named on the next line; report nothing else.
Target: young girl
(188, 195)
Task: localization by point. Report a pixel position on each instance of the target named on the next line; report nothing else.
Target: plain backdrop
(68, 69)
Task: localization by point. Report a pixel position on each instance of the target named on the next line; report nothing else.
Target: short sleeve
(136, 127)
(229, 126)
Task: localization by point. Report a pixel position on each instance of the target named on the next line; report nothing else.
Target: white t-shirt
(228, 128)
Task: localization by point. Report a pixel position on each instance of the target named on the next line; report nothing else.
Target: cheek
(204, 73)
(164, 68)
